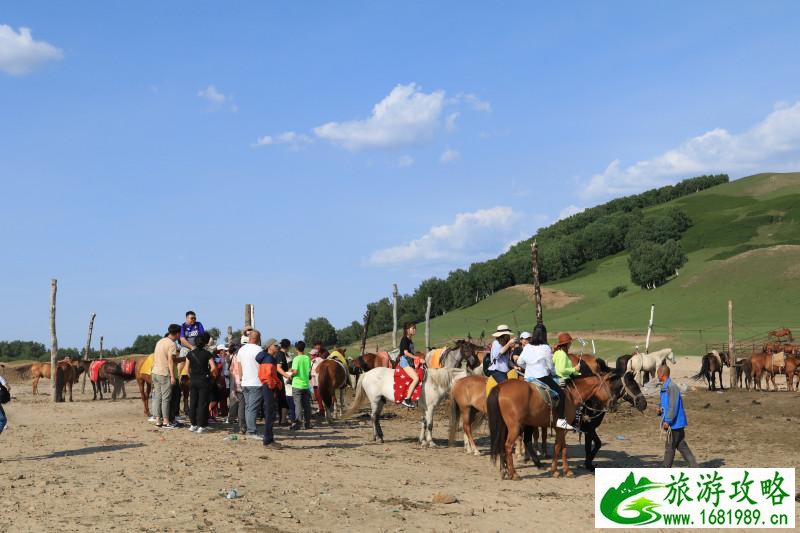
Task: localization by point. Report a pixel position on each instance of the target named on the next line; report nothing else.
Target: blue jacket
(672, 405)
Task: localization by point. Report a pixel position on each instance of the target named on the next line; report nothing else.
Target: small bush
(616, 291)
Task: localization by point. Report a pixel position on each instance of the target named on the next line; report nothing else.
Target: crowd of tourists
(237, 383)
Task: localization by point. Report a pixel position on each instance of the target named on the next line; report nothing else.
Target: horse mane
(602, 365)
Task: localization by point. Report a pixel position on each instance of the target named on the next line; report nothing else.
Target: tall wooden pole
(248, 315)
(53, 339)
(101, 346)
(731, 347)
(649, 329)
(86, 350)
(367, 317)
(537, 288)
(394, 315)
(229, 336)
(428, 326)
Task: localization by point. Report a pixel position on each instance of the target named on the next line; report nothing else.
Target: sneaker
(172, 425)
(295, 427)
(254, 436)
(192, 428)
(204, 429)
(563, 424)
(408, 403)
(274, 445)
(152, 419)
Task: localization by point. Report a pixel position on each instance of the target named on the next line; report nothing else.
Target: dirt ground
(102, 466)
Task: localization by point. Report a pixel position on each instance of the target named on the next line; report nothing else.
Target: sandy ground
(102, 466)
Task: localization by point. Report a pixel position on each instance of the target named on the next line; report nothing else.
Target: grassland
(744, 246)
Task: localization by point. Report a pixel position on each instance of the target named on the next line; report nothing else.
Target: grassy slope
(728, 259)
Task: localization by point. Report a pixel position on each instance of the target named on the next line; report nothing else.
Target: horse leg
(69, 385)
(513, 433)
(35, 386)
(144, 397)
(528, 443)
(377, 432)
(543, 429)
(556, 450)
(124, 395)
(564, 462)
(469, 440)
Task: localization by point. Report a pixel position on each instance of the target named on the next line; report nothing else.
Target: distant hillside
(744, 245)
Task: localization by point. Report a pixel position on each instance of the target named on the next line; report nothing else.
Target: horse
(66, 375)
(467, 402)
(596, 365)
(744, 372)
(377, 386)
(765, 362)
(646, 363)
(463, 351)
(516, 404)
(711, 365)
(109, 372)
(622, 363)
(332, 377)
(36, 371)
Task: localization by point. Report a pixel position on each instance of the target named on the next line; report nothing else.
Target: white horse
(647, 363)
(377, 385)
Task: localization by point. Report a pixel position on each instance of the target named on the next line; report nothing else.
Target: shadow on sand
(80, 451)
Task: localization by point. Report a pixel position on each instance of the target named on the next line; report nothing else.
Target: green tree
(144, 344)
(319, 329)
(651, 264)
(349, 334)
(215, 333)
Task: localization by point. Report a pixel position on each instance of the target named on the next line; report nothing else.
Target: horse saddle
(549, 396)
(779, 359)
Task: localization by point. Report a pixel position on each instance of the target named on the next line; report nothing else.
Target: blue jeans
(3, 419)
(499, 376)
(252, 400)
(269, 412)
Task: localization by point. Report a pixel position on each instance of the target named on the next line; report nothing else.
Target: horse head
(630, 391)
(469, 353)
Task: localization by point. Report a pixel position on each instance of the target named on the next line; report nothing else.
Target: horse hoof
(569, 473)
(503, 475)
(555, 474)
(476, 453)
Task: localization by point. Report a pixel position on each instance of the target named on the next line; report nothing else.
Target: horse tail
(498, 431)
(455, 414)
(326, 389)
(59, 384)
(704, 370)
(361, 396)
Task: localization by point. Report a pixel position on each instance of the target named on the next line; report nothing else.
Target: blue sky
(162, 156)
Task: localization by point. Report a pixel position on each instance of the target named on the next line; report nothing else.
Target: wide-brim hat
(564, 338)
(502, 329)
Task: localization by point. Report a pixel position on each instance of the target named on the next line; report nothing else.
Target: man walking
(271, 386)
(673, 420)
(163, 376)
(301, 372)
(251, 385)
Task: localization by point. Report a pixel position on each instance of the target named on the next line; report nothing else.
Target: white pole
(594, 348)
(649, 329)
(428, 326)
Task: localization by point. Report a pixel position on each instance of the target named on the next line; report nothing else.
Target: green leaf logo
(644, 508)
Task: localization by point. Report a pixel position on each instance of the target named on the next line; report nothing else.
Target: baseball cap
(271, 342)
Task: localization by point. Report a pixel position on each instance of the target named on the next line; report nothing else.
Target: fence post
(248, 315)
(53, 338)
(394, 316)
(367, 317)
(428, 326)
(86, 350)
(537, 289)
(649, 329)
(731, 348)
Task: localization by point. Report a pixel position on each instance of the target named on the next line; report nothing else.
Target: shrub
(616, 291)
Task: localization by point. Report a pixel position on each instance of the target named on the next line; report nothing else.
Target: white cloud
(211, 94)
(449, 155)
(450, 121)
(770, 145)
(20, 54)
(475, 102)
(569, 211)
(470, 237)
(407, 116)
(405, 161)
(293, 140)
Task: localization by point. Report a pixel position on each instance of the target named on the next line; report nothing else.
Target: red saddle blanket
(128, 367)
(403, 380)
(94, 369)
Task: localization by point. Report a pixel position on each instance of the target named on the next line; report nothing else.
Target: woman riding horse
(500, 355)
(406, 361)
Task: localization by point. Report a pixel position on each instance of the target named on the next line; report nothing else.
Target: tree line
(564, 247)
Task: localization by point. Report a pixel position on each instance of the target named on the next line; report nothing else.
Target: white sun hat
(502, 329)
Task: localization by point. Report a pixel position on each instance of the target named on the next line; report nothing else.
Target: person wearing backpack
(269, 370)
(5, 397)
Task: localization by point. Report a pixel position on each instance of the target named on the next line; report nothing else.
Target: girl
(406, 361)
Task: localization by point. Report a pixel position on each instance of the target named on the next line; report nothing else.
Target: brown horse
(331, 377)
(744, 373)
(42, 370)
(66, 375)
(764, 362)
(468, 403)
(515, 404)
(144, 381)
(710, 366)
(110, 372)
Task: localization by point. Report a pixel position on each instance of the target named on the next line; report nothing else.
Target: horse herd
(749, 371)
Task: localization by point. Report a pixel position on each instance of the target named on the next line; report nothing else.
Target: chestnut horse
(744, 372)
(332, 378)
(515, 404)
(110, 372)
(42, 370)
(710, 366)
(66, 375)
(764, 362)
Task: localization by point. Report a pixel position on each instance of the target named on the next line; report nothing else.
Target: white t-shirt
(3, 382)
(247, 358)
(537, 361)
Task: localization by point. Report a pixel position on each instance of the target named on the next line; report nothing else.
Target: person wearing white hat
(500, 354)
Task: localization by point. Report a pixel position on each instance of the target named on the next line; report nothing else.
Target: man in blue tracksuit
(673, 419)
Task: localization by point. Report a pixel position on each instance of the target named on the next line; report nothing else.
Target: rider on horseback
(564, 369)
(537, 360)
(406, 361)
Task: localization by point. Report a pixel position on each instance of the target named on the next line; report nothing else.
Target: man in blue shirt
(673, 420)
(190, 330)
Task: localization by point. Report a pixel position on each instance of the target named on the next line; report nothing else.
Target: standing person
(300, 373)
(500, 354)
(271, 374)
(163, 376)
(281, 405)
(673, 420)
(190, 330)
(236, 411)
(285, 345)
(5, 397)
(200, 366)
(251, 385)
(406, 361)
(321, 351)
(537, 360)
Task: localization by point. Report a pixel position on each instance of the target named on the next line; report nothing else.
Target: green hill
(744, 245)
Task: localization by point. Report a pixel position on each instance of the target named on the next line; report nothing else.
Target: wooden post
(53, 339)
(394, 315)
(537, 288)
(367, 317)
(101, 346)
(731, 350)
(428, 326)
(229, 336)
(594, 348)
(248, 315)
(86, 350)
(649, 329)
